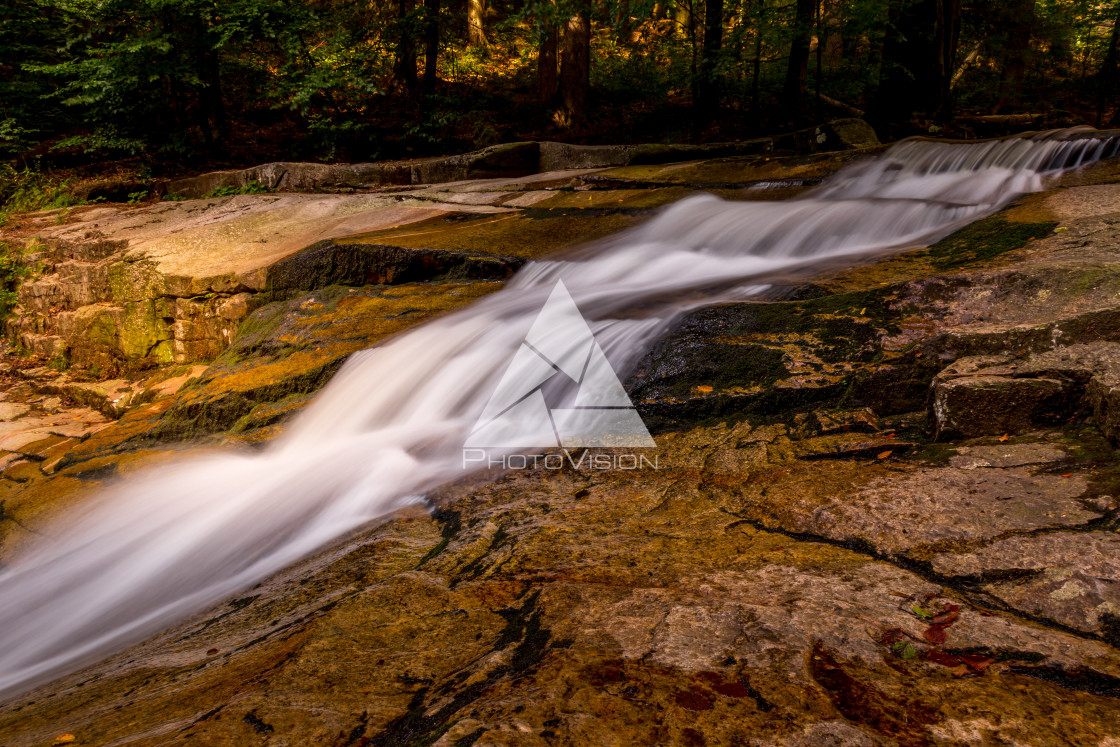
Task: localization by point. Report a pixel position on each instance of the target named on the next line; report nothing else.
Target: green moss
(143, 329)
(135, 281)
(983, 240)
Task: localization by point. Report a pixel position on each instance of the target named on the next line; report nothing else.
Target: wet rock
(984, 405)
(1007, 455)
(738, 594)
(979, 396)
(637, 605)
(371, 264)
(288, 349)
(1071, 578)
(950, 505)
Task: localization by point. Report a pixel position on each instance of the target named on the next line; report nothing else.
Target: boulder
(849, 134)
(986, 395)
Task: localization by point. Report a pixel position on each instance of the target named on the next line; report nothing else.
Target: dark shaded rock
(287, 176)
(991, 395)
(510, 159)
(988, 405)
(116, 190)
(331, 263)
(849, 134)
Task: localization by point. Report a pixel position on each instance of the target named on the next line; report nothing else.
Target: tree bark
(547, 83)
(919, 54)
(797, 71)
(404, 68)
(431, 43)
(575, 65)
(1107, 74)
(756, 68)
(475, 35)
(1018, 44)
(708, 101)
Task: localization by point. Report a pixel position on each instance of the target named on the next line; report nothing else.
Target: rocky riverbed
(885, 507)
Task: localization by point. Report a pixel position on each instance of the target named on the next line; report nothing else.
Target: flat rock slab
(1007, 455)
(952, 505)
(1072, 578)
(236, 236)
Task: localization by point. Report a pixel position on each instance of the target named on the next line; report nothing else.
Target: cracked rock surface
(884, 513)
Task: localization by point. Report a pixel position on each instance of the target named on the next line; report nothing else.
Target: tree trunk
(919, 54)
(431, 42)
(217, 103)
(625, 31)
(708, 102)
(546, 60)
(575, 66)
(1107, 74)
(682, 12)
(797, 72)
(817, 11)
(756, 68)
(1014, 71)
(404, 68)
(475, 36)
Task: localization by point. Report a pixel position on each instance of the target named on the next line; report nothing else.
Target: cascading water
(392, 423)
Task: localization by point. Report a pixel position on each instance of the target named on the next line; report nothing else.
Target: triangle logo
(559, 344)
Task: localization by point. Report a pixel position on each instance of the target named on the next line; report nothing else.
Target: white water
(392, 423)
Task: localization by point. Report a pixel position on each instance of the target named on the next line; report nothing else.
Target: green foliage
(252, 188)
(13, 270)
(241, 80)
(23, 191)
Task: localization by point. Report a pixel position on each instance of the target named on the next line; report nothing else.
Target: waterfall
(392, 423)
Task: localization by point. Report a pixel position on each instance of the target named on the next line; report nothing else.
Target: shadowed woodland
(178, 84)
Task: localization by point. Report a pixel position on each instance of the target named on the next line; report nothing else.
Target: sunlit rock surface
(778, 580)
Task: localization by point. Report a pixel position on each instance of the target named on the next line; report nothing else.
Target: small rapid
(392, 423)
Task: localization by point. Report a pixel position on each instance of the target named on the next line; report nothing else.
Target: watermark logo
(559, 344)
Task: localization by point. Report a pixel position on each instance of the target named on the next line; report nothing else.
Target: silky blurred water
(392, 423)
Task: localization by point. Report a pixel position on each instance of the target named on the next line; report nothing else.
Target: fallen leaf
(893, 635)
(211, 652)
(935, 634)
(732, 690)
(1068, 474)
(692, 700)
(976, 661)
(922, 612)
(703, 388)
(64, 739)
(905, 649)
(947, 618)
(942, 658)
(1004, 437)
(884, 455)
